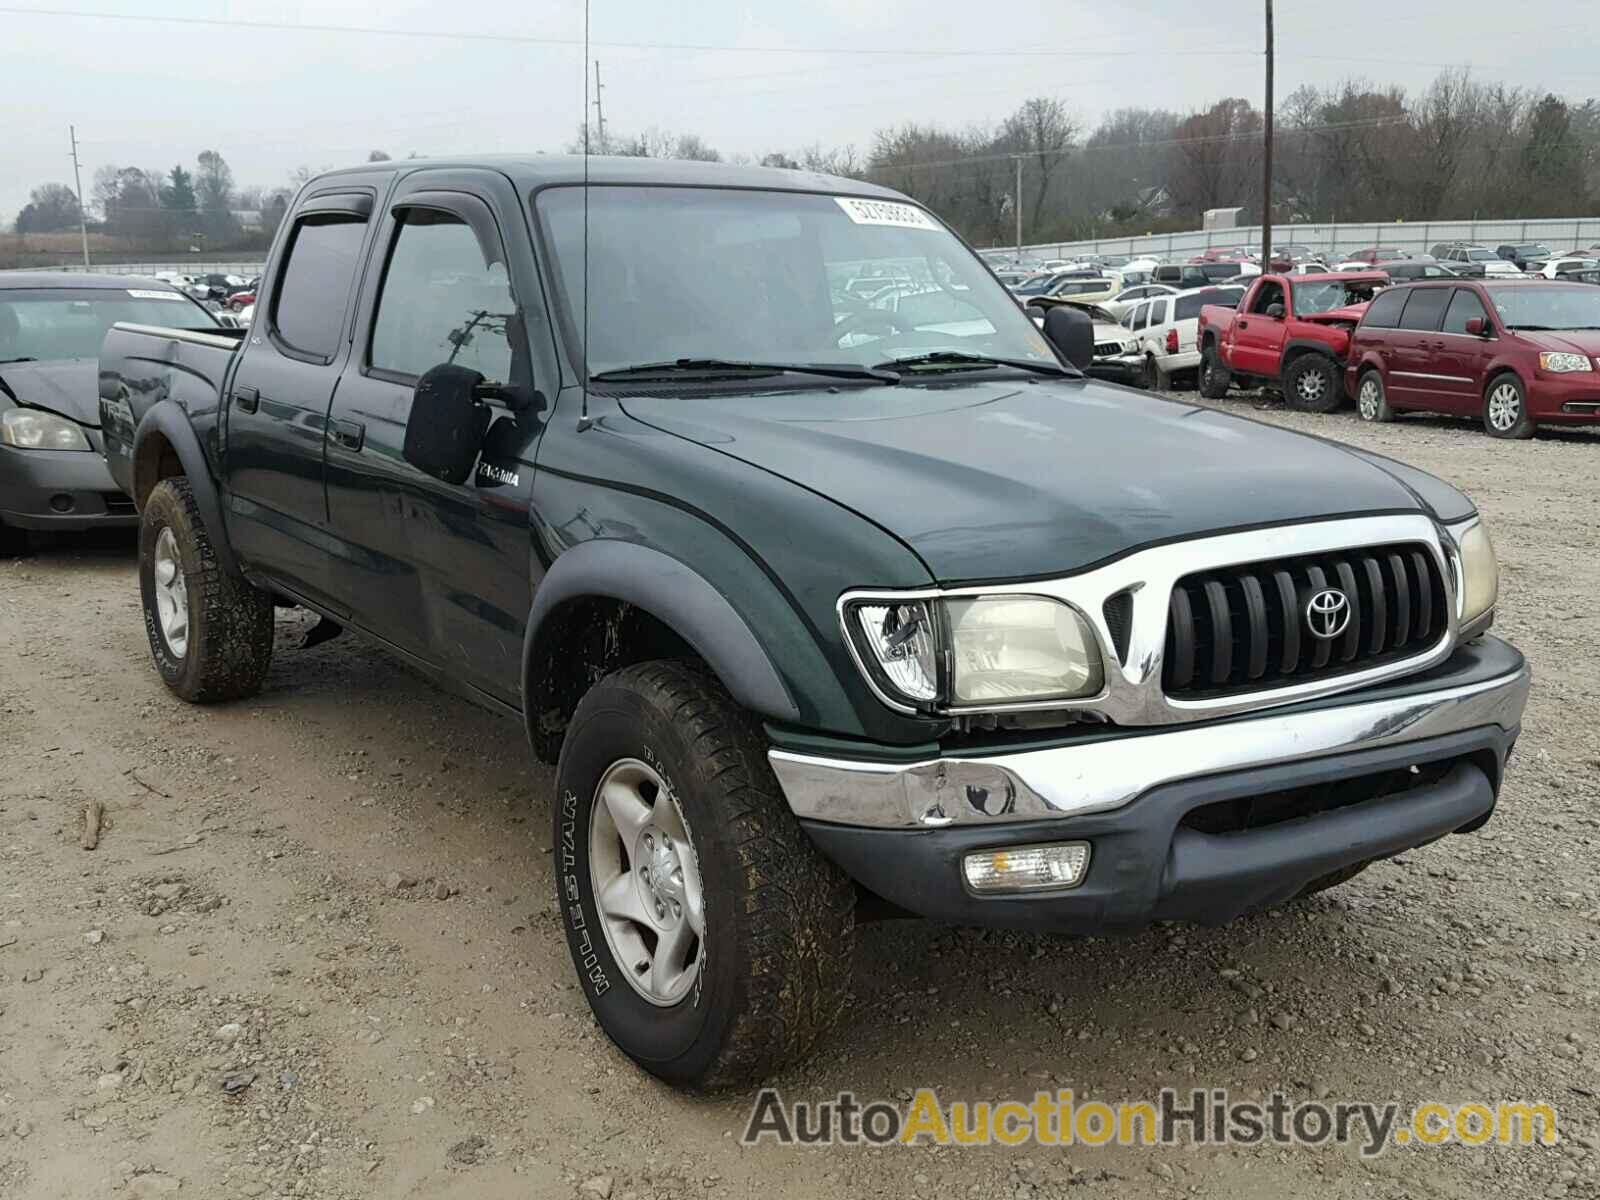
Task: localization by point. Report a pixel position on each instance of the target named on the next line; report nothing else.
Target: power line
(531, 40)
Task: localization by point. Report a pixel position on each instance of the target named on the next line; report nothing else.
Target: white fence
(184, 267)
(1565, 233)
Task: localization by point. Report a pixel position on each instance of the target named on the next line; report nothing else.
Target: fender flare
(678, 597)
(172, 423)
(1310, 346)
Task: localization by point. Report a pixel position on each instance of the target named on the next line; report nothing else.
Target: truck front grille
(1245, 628)
(1107, 349)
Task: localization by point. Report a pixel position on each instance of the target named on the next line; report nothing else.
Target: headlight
(976, 652)
(1480, 574)
(1562, 363)
(30, 429)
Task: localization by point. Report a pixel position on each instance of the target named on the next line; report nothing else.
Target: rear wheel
(712, 941)
(210, 632)
(1372, 401)
(1214, 377)
(1154, 378)
(1505, 409)
(1311, 384)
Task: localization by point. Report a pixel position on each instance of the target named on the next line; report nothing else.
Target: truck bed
(143, 365)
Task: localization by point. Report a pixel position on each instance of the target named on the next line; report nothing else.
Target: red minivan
(1515, 353)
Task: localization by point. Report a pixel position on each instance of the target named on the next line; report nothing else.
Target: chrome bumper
(1096, 776)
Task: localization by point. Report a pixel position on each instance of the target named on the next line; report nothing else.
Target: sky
(747, 76)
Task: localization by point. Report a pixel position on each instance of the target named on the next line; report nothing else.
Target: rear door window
(1385, 310)
(1463, 307)
(313, 292)
(1425, 308)
(1158, 312)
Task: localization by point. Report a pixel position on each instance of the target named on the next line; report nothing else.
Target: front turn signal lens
(1050, 867)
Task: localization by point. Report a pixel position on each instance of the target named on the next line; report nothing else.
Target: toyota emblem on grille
(1328, 614)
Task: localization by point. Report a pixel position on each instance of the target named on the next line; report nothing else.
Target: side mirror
(1071, 332)
(445, 430)
(1477, 327)
(1275, 311)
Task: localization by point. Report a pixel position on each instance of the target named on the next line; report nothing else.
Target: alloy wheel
(172, 594)
(1368, 399)
(1505, 407)
(1312, 385)
(646, 882)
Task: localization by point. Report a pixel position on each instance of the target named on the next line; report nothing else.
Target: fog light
(1027, 868)
(62, 502)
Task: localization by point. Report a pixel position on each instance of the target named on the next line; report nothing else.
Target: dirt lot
(315, 952)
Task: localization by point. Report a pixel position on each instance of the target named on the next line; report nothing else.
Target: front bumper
(901, 830)
(1564, 397)
(62, 490)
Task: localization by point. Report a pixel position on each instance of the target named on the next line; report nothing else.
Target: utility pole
(1016, 205)
(599, 110)
(1266, 160)
(77, 179)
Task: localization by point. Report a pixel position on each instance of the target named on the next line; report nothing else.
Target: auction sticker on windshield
(885, 212)
(139, 294)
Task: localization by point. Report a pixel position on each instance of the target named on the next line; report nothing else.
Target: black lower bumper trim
(1148, 865)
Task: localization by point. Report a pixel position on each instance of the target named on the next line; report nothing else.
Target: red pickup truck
(1292, 331)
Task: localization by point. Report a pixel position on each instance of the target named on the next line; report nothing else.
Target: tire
(13, 541)
(1372, 399)
(1311, 384)
(1152, 377)
(1332, 879)
(222, 646)
(1214, 377)
(769, 968)
(1505, 408)
(235, 306)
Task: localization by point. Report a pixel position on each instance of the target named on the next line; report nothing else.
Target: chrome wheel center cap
(660, 876)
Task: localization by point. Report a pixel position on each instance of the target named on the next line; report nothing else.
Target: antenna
(583, 383)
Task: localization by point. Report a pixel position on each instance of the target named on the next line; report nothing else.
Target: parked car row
(1515, 352)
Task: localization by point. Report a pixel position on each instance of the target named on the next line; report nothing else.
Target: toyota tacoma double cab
(1289, 331)
(822, 610)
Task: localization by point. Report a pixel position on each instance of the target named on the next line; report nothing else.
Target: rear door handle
(349, 434)
(247, 398)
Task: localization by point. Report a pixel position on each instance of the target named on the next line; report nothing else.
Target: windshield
(1327, 295)
(1559, 306)
(1532, 250)
(58, 323)
(710, 273)
(1482, 255)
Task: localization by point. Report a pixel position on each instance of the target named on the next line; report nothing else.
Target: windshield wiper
(958, 360)
(1534, 328)
(23, 358)
(720, 366)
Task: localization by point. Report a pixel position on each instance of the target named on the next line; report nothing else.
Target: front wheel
(1311, 384)
(210, 632)
(1214, 377)
(1154, 378)
(1505, 409)
(712, 940)
(1372, 401)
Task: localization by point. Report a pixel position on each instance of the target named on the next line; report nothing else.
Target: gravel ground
(315, 953)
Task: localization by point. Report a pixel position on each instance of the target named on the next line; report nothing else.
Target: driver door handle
(247, 398)
(1244, 324)
(349, 434)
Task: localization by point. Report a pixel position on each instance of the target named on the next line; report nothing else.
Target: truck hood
(66, 387)
(1350, 314)
(1000, 480)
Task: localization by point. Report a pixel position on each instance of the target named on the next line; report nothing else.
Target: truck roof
(529, 171)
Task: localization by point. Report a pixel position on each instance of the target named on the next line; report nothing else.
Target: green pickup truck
(829, 600)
